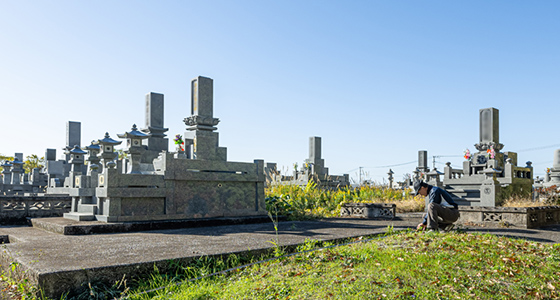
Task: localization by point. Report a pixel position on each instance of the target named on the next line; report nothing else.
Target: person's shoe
(433, 230)
(448, 227)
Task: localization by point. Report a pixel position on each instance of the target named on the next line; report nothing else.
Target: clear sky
(377, 80)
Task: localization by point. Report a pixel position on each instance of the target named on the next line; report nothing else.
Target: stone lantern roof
(6, 164)
(77, 150)
(434, 172)
(17, 162)
(134, 133)
(108, 141)
(94, 146)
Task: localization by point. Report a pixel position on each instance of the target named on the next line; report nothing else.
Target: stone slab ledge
(70, 227)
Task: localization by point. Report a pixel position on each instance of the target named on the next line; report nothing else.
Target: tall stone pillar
(315, 156)
(423, 161)
(154, 124)
(489, 130)
(556, 161)
(73, 136)
(201, 124)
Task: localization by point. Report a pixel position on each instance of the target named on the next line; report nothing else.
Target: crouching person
(439, 217)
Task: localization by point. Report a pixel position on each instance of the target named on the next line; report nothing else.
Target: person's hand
(421, 227)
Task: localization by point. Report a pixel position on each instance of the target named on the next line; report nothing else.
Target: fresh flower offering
(179, 141)
(467, 154)
(491, 153)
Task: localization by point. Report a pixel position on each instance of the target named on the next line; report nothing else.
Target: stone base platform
(71, 227)
(524, 217)
(60, 264)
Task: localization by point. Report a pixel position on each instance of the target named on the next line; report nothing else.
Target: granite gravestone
(489, 174)
(172, 187)
(312, 170)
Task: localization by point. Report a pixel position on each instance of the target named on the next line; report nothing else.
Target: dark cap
(417, 185)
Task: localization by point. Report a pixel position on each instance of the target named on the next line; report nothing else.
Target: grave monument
(552, 176)
(14, 180)
(201, 183)
(312, 170)
(489, 175)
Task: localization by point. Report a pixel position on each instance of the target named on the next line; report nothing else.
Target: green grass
(310, 202)
(409, 265)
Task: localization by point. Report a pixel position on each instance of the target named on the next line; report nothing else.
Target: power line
(439, 156)
(538, 148)
(387, 166)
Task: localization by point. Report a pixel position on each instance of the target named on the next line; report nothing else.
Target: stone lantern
(135, 149)
(77, 158)
(7, 178)
(417, 173)
(93, 159)
(107, 145)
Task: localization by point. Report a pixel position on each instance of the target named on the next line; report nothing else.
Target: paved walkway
(63, 262)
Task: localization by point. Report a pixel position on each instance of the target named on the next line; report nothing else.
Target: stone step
(453, 190)
(87, 208)
(76, 216)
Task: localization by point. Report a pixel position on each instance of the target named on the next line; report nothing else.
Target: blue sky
(377, 80)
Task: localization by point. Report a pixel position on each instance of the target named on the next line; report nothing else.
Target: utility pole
(360, 176)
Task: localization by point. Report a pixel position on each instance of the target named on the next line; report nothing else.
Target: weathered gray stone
(156, 141)
(312, 170)
(171, 186)
(489, 130)
(488, 175)
(317, 163)
(201, 124)
(15, 209)
(556, 160)
(73, 134)
(423, 160)
(202, 100)
(50, 154)
(552, 176)
(368, 210)
(523, 217)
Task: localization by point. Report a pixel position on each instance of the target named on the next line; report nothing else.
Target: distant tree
(4, 158)
(122, 154)
(33, 161)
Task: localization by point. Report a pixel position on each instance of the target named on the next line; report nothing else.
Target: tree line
(31, 161)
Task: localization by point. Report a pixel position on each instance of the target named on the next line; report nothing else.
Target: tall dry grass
(313, 202)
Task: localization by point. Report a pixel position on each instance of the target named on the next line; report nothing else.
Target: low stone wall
(368, 210)
(16, 209)
(526, 217)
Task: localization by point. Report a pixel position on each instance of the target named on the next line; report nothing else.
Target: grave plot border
(525, 217)
(16, 209)
(368, 210)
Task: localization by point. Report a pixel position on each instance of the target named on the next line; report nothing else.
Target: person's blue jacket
(435, 194)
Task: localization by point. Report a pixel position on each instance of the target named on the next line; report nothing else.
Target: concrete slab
(62, 263)
(74, 227)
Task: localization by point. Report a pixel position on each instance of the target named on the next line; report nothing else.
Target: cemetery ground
(510, 263)
(405, 265)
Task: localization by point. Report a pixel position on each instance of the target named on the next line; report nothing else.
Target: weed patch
(404, 265)
(310, 202)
